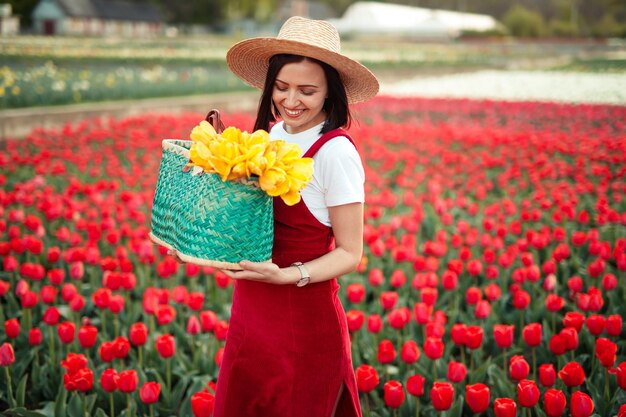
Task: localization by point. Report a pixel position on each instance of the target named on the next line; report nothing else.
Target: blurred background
(69, 52)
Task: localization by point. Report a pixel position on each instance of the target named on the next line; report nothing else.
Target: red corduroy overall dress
(287, 351)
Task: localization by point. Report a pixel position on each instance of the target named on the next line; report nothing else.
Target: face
(299, 93)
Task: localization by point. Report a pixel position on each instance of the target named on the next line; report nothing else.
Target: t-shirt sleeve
(342, 173)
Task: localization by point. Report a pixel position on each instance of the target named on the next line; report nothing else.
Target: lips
(292, 113)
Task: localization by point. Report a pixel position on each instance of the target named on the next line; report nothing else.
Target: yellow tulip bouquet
(237, 155)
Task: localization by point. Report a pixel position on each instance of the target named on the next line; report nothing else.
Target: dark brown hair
(335, 106)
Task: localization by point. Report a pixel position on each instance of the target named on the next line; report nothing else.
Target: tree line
(519, 17)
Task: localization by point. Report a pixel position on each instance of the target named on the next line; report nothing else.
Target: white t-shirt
(338, 174)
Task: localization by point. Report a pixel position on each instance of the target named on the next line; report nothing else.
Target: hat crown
(317, 33)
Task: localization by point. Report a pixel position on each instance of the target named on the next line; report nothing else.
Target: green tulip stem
(395, 412)
(471, 355)
(534, 353)
(151, 410)
(116, 324)
(504, 361)
(140, 355)
(193, 350)
(462, 349)
(367, 405)
(168, 369)
(52, 353)
(103, 323)
(83, 400)
(111, 404)
(435, 370)
(2, 318)
(27, 319)
(417, 407)
(9, 387)
(129, 406)
(606, 384)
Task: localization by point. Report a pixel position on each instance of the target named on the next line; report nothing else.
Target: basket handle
(214, 118)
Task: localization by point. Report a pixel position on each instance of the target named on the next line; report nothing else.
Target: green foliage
(524, 22)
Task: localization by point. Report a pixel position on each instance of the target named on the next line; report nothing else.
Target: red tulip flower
(109, 380)
(81, 380)
(581, 404)
(622, 411)
(149, 392)
(547, 374)
(570, 336)
(415, 385)
(393, 394)
(355, 293)
(128, 381)
(458, 334)
(73, 362)
(166, 345)
(518, 367)
(106, 351)
(388, 299)
(557, 344)
(35, 337)
(12, 328)
(613, 325)
(521, 299)
(527, 393)
(477, 397)
(366, 378)
(193, 325)
(595, 324)
(208, 320)
(532, 334)
(572, 374)
(433, 348)
(399, 317)
(503, 335)
(474, 337)
(121, 347)
(574, 319)
(442, 395)
(87, 335)
(620, 373)
(606, 352)
(410, 353)
(138, 334)
(165, 314)
(554, 402)
(504, 407)
(386, 352)
(66, 332)
(457, 371)
(195, 301)
(7, 355)
(374, 323)
(202, 403)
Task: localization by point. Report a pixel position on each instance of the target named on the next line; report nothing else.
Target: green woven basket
(208, 221)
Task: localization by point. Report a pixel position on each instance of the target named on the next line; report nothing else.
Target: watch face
(303, 281)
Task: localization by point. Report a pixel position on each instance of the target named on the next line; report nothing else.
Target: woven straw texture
(208, 221)
(249, 59)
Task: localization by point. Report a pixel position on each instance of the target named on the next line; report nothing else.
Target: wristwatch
(305, 278)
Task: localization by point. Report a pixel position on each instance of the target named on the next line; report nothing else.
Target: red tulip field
(493, 279)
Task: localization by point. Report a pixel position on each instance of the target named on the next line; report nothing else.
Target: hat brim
(249, 60)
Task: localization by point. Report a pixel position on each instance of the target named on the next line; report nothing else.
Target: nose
(291, 98)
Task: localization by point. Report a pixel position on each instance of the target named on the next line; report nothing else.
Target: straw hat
(317, 39)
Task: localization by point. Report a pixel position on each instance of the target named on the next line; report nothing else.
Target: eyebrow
(300, 86)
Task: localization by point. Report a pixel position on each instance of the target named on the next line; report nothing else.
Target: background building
(96, 18)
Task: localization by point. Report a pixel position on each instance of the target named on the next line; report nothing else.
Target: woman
(287, 351)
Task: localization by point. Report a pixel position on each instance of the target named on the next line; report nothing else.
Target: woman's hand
(267, 272)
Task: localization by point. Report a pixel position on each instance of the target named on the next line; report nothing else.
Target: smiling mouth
(293, 113)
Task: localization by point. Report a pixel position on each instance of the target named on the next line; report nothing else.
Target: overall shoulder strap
(325, 138)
